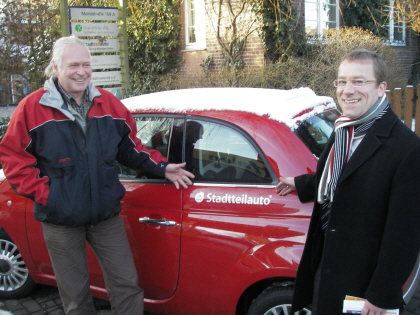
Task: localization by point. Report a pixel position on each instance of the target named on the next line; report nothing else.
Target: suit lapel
(370, 143)
(364, 151)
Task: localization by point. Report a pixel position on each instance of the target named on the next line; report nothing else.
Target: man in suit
(364, 235)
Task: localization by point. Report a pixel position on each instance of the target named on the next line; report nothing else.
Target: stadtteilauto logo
(78, 28)
(243, 199)
(199, 197)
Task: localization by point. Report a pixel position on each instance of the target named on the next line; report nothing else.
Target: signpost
(106, 62)
(94, 29)
(103, 30)
(106, 78)
(93, 14)
(103, 45)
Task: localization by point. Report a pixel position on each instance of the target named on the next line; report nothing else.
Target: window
(155, 133)
(218, 153)
(315, 131)
(195, 29)
(320, 16)
(396, 26)
(213, 152)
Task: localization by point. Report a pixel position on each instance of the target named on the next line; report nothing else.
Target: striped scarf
(346, 130)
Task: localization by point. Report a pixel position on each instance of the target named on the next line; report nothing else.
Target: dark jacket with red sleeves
(71, 175)
(373, 236)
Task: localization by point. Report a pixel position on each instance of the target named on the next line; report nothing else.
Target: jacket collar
(52, 97)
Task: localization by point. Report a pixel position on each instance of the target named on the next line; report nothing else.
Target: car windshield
(315, 131)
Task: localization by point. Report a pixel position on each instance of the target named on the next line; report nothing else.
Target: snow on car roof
(280, 105)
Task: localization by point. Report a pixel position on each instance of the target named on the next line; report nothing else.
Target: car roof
(287, 106)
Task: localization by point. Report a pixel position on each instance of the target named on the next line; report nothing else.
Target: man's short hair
(57, 52)
(379, 67)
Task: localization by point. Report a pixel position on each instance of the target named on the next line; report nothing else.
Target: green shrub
(369, 15)
(316, 69)
(281, 33)
(153, 38)
(327, 54)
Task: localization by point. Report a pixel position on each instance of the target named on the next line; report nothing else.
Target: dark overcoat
(373, 236)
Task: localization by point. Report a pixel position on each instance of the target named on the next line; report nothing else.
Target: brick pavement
(46, 301)
(413, 307)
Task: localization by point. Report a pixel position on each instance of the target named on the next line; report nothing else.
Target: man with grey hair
(60, 150)
(364, 235)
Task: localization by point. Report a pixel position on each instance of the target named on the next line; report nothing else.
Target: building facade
(203, 33)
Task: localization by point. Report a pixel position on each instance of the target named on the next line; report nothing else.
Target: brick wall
(408, 53)
(193, 59)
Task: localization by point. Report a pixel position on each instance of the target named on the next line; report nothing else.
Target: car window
(155, 133)
(218, 153)
(315, 131)
(213, 152)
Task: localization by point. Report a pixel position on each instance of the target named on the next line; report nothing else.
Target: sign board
(116, 91)
(93, 14)
(105, 45)
(94, 29)
(106, 78)
(106, 62)
(98, 28)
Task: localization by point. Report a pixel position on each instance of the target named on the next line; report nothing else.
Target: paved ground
(414, 306)
(6, 111)
(46, 301)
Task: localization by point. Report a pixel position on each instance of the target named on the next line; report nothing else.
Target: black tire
(15, 281)
(274, 300)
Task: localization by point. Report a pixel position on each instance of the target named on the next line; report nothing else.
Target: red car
(226, 245)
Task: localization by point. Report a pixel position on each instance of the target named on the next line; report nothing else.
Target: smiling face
(75, 71)
(355, 102)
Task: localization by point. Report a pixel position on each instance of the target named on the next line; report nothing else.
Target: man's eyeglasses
(356, 83)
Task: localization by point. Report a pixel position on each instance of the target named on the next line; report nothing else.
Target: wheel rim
(13, 272)
(284, 309)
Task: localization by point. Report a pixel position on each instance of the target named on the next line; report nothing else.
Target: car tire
(274, 300)
(15, 281)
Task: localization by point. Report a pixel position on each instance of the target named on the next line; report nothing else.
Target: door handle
(147, 220)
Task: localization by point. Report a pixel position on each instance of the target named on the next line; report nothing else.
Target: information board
(106, 78)
(93, 14)
(94, 29)
(103, 45)
(106, 62)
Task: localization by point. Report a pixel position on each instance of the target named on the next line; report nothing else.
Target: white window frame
(319, 17)
(198, 25)
(392, 25)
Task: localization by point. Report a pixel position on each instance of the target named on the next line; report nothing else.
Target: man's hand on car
(176, 174)
(285, 186)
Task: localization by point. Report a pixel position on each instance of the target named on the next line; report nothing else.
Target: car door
(152, 211)
(152, 214)
(234, 224)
